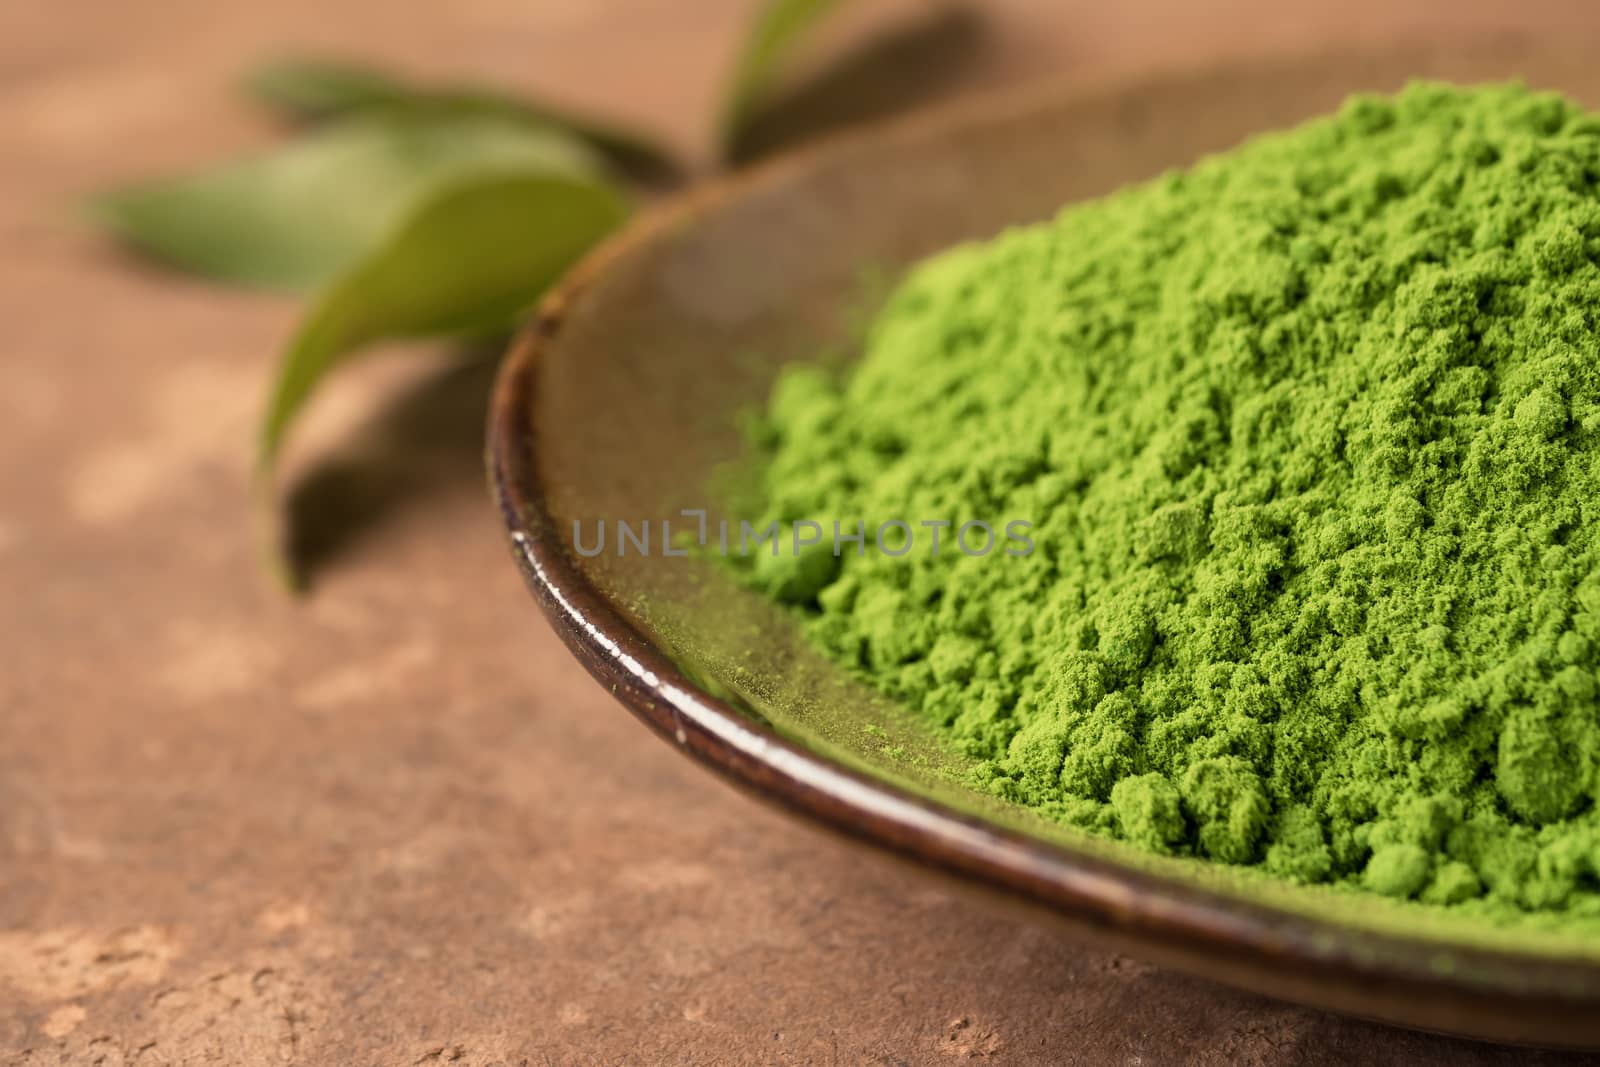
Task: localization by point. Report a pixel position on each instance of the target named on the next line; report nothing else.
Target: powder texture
(1309, 438)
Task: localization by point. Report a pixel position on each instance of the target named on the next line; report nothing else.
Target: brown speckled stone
(394, 823)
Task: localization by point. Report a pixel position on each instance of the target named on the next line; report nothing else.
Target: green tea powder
(1307, 439)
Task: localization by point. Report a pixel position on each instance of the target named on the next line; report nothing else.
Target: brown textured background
(393, 823)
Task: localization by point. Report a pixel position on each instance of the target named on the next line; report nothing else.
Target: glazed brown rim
(1410, 981)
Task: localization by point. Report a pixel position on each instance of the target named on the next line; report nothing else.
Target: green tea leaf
(778, 27)
(469, 260)
(308, 90)
(313, 90)
(901, 65)
(297, 217)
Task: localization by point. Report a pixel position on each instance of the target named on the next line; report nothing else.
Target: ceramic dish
(620, 404)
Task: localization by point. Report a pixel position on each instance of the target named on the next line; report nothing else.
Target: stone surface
(394, 823)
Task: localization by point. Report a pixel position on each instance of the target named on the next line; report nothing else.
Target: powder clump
(1308, 436)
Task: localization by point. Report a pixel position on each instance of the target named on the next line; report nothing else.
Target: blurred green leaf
(470, 260)
(778, 27)
(902, 65)
(309, 90)
(315, 90)
(295, 218)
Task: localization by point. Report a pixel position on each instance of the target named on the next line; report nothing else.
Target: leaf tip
(271, 535)
(104, 208)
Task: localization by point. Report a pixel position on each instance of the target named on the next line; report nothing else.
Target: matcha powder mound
(1308, 437)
